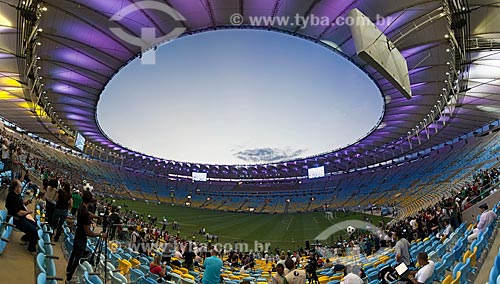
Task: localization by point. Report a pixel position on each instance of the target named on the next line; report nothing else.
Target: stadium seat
(135, 274)
(493, 275)
(46, 265)
(117, 278)
(457, 278)
(439, 271)
(147, 280)
(465, 269)
(92, 279)
(124, 266)
(42, 278)
(448, 279)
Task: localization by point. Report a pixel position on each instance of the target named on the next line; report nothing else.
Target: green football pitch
(283, 231)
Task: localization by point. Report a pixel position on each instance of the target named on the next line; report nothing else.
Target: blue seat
(144, 269)
(47, 266)
(439, 271)
(42, 278)
(441, 250)
(497, 262)
(135, 274)
(372, 276)
(465, 269)
(448, 260)
(493, 275)
(147, 280)
(92, 279)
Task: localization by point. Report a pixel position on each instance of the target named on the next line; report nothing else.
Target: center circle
(239, 97)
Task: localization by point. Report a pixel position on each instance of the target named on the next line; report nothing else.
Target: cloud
(267, 155)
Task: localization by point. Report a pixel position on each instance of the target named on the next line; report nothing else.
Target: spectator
(22, 218)
(353, 275)
(64, 202)
(188, 257)
(448, 229)
(294, 276)
(212, 266)
(77, 200)
(425, 274)
(487, 216)
(84, 220)
(402, 249)
(17, 164)
(157, 269)
(50, 197)
(279, 277)
(5, 155)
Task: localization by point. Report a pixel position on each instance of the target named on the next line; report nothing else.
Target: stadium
(356, 141)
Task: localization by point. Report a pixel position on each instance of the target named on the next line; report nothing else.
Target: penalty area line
(288, 227)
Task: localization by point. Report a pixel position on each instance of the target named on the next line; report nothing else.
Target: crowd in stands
(62, 195)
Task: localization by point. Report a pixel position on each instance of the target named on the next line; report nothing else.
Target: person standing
(17, 164)
(295, 276)
(212, 266)
(64, 202)
(402, 249)
(84, 220)
(77, 200)
(50, 197)
(279, 277)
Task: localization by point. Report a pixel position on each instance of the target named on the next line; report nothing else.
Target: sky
(239, 97)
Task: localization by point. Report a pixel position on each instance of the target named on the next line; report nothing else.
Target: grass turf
(283, 231)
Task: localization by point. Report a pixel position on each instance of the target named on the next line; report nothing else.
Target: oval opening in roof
(239, 97)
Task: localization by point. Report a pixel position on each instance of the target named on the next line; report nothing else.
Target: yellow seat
(466, 255)
(447, 280)
(336, 277)
(443, 238)
(184, 270)
(323, 280)
(457, 280)
(377, 263)
(188, 276)
(124, 266)
(234, 277)
(473, 258)
(177, 271)
(135, 263)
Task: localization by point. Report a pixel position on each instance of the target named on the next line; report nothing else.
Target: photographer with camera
(311, 268)
(84, 220)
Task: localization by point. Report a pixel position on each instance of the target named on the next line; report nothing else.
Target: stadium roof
(56, 58)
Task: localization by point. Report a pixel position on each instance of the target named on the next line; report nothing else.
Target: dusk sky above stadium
(239, 97)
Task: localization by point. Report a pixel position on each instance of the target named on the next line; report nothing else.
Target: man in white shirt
(352, 275)
(295, 276)
(487, 216)
(425, 274)
(5, 155)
